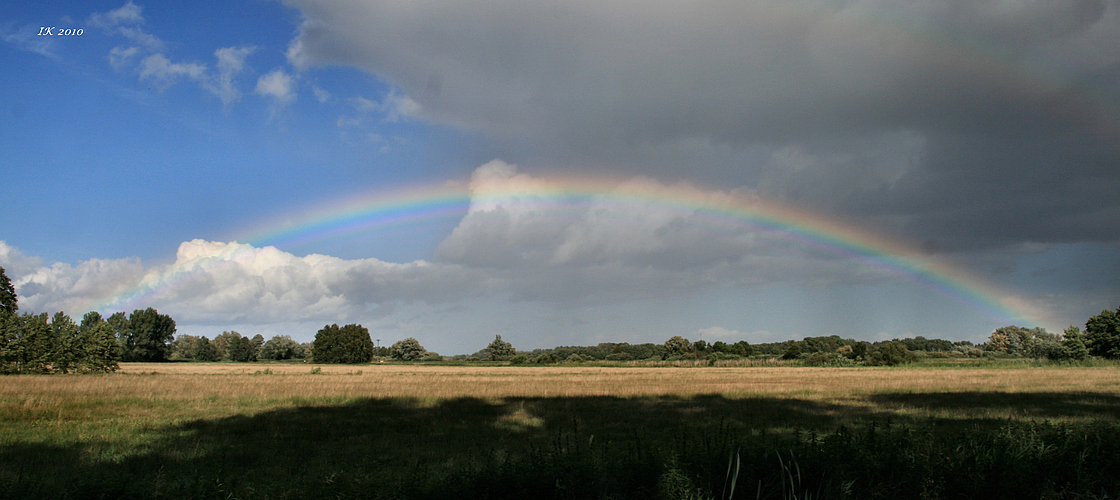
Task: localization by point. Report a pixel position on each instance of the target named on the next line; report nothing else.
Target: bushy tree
(196, 348)
(920, 343)
(1007, 340)
(26, 343)
(348, 344)
(205, 350)
(1073, 345)
(281, 347)
(98, 350)
(181, 347)
(793, 351)
(223, 341)
(1019, 341)
(146, 336)
(32, 344)
(241, 350)
(891, 354)
(499, 350)
(677, 346)
(258, 343)
(1102, 334)
(1043, 344)
(740, 348)
(407, 350)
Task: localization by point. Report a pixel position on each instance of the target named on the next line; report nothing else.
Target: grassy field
(208, 430)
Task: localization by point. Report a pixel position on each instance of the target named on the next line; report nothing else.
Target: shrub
(792, 352)
(891, 354)
(828, 359)
(546, 359)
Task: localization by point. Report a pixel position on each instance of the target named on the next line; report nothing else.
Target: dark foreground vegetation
(599, 447)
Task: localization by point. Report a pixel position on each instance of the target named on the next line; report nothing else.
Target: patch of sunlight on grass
(519, 420)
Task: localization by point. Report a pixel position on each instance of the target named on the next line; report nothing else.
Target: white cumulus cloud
(278, 86)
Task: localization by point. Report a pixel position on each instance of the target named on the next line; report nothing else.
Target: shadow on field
(517, 448)
(997, 405)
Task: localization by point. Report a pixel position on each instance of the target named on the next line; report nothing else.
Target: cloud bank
(512, 245)
(966, 124)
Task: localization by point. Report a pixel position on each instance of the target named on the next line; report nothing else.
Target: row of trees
(226, 346)
(34, 343)
(353, 344)
(1101, 338)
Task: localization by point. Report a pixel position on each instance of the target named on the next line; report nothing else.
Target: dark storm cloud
(968, 124)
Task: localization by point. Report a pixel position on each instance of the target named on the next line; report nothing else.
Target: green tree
(181, 347)
(26, 343)
(222, 343)
(204, 350)
(258, 343)
(148, 336)
(241, 350)
(281, 347)
(348, 344)
(793, 351)
(98, 350)
(1073, 344)
(677, 346)
(1009, 340)
(890, 354)
(118, 321)
(1043, 344)
(1102, 334)
(499, 350)
(407, 350)
(8, 304)
(64, 343)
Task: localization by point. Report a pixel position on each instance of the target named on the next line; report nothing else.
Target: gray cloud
(968, 123)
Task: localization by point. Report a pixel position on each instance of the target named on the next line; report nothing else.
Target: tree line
(36, 343)
(31, 343)
(1101, 338)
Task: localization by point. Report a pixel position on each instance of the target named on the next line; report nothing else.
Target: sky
(565, 172)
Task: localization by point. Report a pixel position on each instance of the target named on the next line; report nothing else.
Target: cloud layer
(512, 245)
(621, 264)
(961, 123)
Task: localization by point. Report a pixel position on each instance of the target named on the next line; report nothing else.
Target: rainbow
(635, 200)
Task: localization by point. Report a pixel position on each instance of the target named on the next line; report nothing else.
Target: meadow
(293, 430)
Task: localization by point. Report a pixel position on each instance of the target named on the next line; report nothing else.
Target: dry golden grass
(206, 390)
(242, 380)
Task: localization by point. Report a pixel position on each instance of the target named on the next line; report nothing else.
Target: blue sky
(979, 137)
